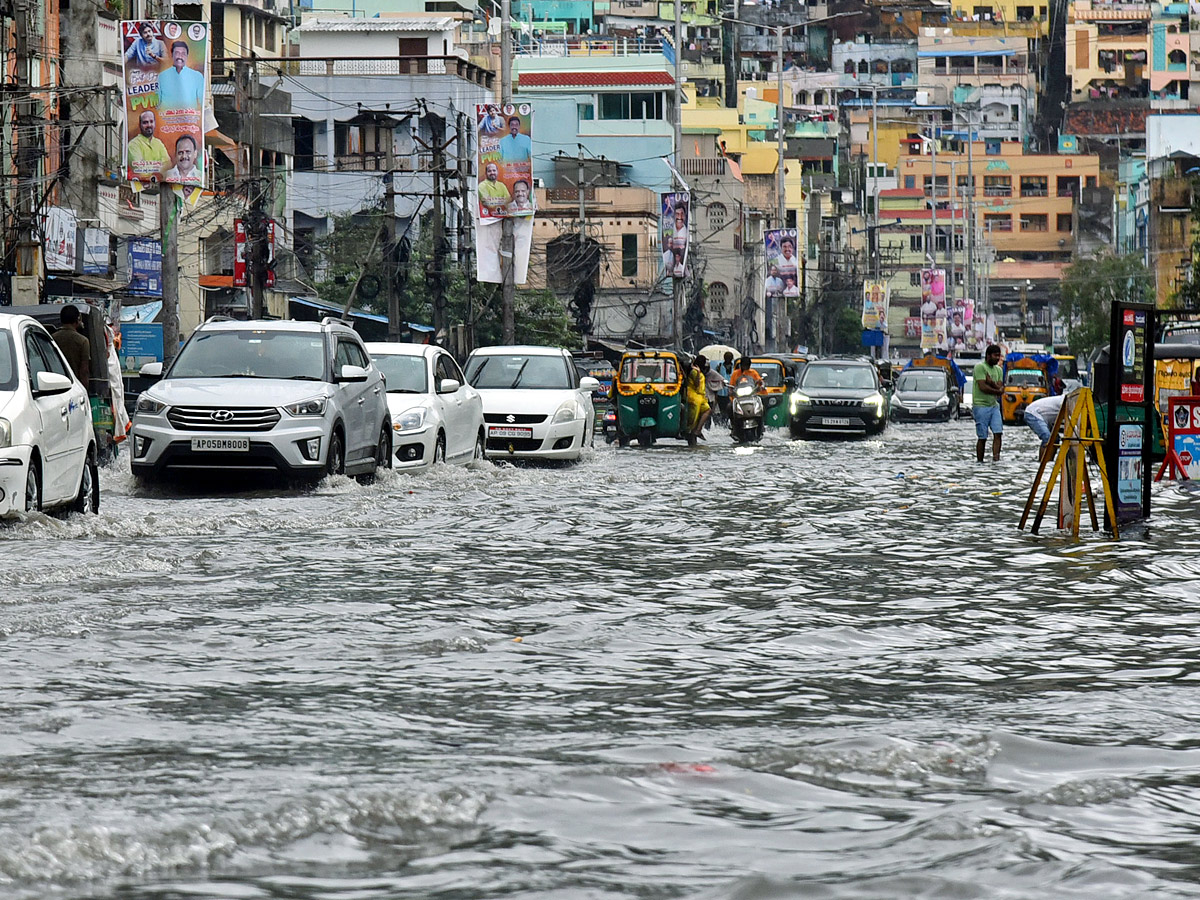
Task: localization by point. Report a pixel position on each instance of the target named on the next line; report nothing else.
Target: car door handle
(63, 412)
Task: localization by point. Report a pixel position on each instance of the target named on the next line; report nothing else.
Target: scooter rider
(746, 367)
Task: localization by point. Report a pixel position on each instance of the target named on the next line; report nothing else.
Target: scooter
(746, 411)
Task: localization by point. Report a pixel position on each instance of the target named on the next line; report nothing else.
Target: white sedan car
(436, 416)
(535, 403)
(47, 444)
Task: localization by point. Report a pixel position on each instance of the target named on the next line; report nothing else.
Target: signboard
(504, 175)
(165, 78)
(95, 251)
(141, 343)
(145, 267)
(61, 237)
(912, 326)
(673, 225)
(239, 254)
(1183, 424)
(933, 309)
(875, 305)
(1131, 373)
(1129, 472)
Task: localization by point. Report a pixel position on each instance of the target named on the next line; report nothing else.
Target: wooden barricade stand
(1172, 466)
(1080, 438)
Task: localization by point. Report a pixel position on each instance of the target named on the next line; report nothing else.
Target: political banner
(504, 175)
(875, 305)
(673, 225)
(60, 230)
(487, 251)
(783, 266)
(166, 88)
(933, 310)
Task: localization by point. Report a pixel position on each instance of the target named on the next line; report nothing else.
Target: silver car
(301, 398)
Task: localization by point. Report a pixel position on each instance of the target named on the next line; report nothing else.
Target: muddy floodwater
(808, 669)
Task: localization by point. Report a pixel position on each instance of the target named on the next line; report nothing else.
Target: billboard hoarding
(875, 305)
(674, 223)
(504, 174)
(165, 81)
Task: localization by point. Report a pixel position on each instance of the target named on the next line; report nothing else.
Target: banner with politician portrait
(933, 309)
(165, 92)
(875, 306)
(783, 266)
(504, 175)
(673, 226)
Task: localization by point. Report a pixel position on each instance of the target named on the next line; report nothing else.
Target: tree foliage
(1090, 286)
(1188, 295)
(356, 245)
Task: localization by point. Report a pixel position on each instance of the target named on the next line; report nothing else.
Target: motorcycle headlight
(566, 413)
(745, 390)
(5, 432)
(148, 405)
(874, 401)
(410, 420)
(314, 406)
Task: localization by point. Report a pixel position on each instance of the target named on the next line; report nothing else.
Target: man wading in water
(985, 402)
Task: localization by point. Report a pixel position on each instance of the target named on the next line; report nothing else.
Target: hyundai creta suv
(301, 398)
(838, 396)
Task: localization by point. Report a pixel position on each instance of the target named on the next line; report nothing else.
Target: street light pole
(508, 284)
(677, 283)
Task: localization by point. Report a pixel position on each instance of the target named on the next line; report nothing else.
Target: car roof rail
(336, 320)
(218, 319)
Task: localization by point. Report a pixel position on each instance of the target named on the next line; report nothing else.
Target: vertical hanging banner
(783, 266)
(504, 173)
(673, 227)
(165, 82)
(875, 305)
(934, 335)
(239, 254)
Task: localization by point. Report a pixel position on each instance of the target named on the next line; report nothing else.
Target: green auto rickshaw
(648, 394)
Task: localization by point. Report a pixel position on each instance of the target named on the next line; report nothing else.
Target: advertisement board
(1132, 372)
(1183, 424)
(875, 305)
(61, 239)
(783, 266)
(504, 175)
(145, 267)
(239, 253)
(165, 80)
(1128, 394)
(674, 224)
(95, 251)
(141, 343)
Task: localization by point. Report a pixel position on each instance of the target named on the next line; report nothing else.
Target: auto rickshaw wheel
(645, 438)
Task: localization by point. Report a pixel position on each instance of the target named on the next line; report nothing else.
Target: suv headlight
(896, 401)
(148, 405)
(314, 406)
(5, 432)
(874, 401)
(410, 420)
(799, 399)
(566, 413)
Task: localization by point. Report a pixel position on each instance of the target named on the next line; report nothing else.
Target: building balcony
(357, 66)
(1171, 194)
(769, 43)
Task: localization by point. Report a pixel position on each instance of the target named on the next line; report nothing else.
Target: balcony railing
(357, 66)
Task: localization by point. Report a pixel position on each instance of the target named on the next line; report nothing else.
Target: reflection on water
(819, 669)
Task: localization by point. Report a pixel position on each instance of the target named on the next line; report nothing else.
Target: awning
(215, 138)
(216, 281)
(337, 310)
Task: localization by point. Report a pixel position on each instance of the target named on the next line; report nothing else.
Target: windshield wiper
(520, 372)
(479, 371)
(304, 378)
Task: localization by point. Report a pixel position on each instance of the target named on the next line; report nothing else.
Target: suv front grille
(818, 401)
(218, 418)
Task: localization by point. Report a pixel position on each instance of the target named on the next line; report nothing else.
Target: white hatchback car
(436, 416)
(535, 403)
(47, 444)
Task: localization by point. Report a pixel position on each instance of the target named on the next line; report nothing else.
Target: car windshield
(772, 373)
(848, 377)
(8, 363)
(649, 370)
(921, 381)
(518, 370)
(403, 374)
(252, 354)
(1025, 377)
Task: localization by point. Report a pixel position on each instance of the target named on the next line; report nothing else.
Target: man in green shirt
(147, 155)
(985, 402)
(493, 193)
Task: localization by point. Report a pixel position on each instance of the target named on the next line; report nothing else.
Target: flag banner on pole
(783, 266)
(673, 228)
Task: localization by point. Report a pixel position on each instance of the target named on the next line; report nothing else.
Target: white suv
(47, 445)
(302, 398)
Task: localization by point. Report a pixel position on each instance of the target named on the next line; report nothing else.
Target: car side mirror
(790, 381)
(151, 370)
(448, 386)
(352, 373)
(589, 384)
(52, 383)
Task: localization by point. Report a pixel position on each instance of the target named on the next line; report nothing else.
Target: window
(270, 37)
(997, 185)
(716, 215)
(1177, 58)
(910, 182)
(966, 184)
(302, 134)
(1024, 13)
(997, 222)
(1034, 222)
(629, 255)
(640, 105)
(1068, 186)
(992, 148)
(586, 111)
(1064, 222)
(43, 356)
(1034, 185)
(259, 37)
(914, 279)
(718, 295)
(958, 277)
(943, 185)
(984, 13)
(916, 242)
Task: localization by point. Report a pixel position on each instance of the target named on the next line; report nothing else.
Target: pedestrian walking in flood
(985, 402)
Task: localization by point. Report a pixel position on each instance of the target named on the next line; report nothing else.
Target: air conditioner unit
(538, 183)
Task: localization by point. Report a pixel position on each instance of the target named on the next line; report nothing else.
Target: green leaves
(1089, 287)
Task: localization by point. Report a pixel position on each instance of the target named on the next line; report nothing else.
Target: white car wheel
(33, 487)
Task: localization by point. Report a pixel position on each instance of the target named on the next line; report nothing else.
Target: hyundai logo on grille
(221, 415)
(510, 419)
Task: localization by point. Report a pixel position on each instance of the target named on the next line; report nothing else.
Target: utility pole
(933, 190)
(440, 326)
(677, 283)
(508, 285)
(256, 232)
(168, 226)
(580, 198)
(875, 170)
(780, 315)
(29, 136)
(390, 251)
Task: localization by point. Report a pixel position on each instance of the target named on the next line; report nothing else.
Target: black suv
(838, 396)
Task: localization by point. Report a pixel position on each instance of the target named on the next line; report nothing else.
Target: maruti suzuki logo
(510, 419)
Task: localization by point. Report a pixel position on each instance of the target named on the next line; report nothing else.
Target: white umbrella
(716, 352)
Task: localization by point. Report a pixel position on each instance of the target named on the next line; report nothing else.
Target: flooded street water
(818, 669)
